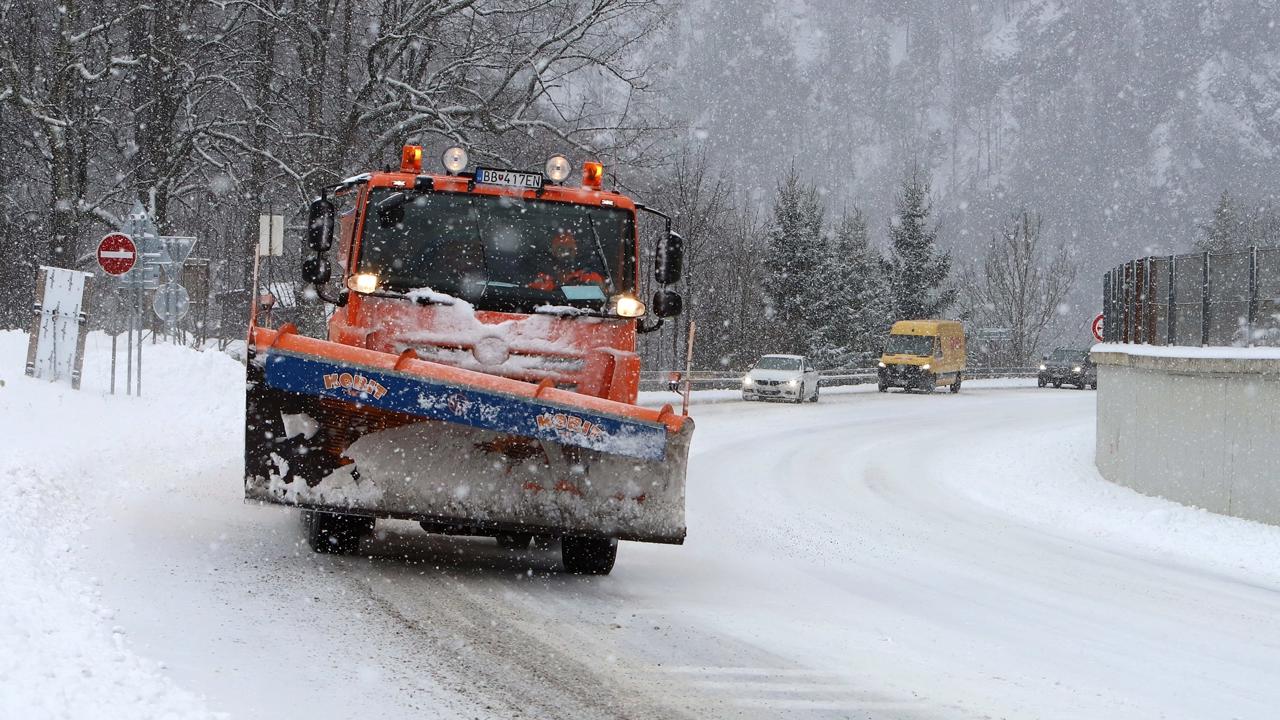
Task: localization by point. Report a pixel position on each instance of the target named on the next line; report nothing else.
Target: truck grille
(518, 365)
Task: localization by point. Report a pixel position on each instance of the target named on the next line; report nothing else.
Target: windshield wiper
(604, 261)
(484, 255)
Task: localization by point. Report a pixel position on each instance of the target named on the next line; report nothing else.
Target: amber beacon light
(411, 159)
(592, 175)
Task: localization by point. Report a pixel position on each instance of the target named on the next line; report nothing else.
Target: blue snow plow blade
(433, 399)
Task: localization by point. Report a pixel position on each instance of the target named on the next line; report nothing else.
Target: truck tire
(1040, 382)
(815, 394)
(883, 386)
(1057, 385)
(929, 383)
(588, 555)
(335, 534)
(515, 541)
(955, 386)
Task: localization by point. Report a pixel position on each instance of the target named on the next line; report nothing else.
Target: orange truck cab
(479, 373)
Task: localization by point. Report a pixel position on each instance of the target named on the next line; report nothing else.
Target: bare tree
(220, 109)
(61, 68)
(1020, 285)
(698, 199)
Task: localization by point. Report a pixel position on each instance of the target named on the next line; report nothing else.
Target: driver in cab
(566, 268)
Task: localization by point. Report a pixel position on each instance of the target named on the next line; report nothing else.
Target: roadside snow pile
(1046, 476)
(61, 654)
(1208, 352)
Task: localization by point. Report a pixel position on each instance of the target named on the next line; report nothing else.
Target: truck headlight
(748, 381)
(881, 364)
(627, 306)
(363, 282)
(455, 160)
(793, 382)
(1075, 369)
(1042, 367)
(925, 366)
(557, 168)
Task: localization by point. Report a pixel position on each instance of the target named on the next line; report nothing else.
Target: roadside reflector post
(688, 368)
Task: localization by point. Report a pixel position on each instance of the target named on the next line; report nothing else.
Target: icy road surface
(878, 556)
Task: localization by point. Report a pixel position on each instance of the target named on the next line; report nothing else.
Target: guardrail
(721, 380)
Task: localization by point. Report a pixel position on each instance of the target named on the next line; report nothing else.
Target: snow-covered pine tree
(855, 306)
(791, 263)
(1226, 231)
(918, 274)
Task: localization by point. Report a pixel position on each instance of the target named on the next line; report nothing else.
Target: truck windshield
(778, 363)
(909, 345)
(499, 252)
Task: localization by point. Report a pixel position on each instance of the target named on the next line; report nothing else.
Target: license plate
(508, 178)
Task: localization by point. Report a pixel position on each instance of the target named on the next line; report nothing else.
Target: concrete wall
(1201, 431)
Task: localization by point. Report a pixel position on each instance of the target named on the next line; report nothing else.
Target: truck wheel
(515, 541)
(884, 387)
(588, 555)
(1057, 385)
(955, 386)
(815, 394)
(1040, 382)
(335, 534)
(929, 383)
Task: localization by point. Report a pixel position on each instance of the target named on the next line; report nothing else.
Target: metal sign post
(171, 302)
(117, 254)
(143, 275)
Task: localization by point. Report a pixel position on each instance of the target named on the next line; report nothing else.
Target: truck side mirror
(320, 225)
(667, 303)
(669, 259)
(316, 270)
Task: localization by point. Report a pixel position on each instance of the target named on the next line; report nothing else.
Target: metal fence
(1198, 299)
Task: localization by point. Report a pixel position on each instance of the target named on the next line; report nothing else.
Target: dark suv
(1068, 366)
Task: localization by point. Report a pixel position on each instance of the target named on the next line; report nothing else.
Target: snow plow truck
(479, 374)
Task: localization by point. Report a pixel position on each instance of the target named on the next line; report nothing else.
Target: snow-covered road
(886, 556)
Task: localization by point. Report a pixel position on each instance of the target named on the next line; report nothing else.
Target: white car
(781, 377)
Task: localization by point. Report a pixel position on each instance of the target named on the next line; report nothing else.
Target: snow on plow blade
(334, 427)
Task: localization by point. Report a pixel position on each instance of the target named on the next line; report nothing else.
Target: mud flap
(405, 443)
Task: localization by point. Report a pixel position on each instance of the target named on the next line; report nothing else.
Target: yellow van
(923, 354)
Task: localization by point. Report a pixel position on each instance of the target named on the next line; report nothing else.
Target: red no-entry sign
(1097, 328)
(117, 254)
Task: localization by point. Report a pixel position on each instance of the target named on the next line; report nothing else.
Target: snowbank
(1046, 477)
(61, 654)
(1186, 351)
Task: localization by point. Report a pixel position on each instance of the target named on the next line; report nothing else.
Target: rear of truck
(479, 374)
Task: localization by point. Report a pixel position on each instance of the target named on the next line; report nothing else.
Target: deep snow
(873, 555)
